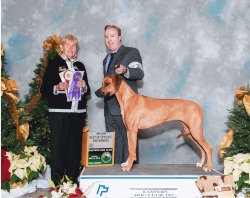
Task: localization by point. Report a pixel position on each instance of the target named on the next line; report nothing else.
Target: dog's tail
(185, 133)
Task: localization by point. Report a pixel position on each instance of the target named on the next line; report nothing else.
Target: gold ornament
(3, 87)
(33, 103)
(2, 54)
(246, 102)
(22, 132)
(226, 142)
(17, 185)
(52, 42)
(240, 93)
(47, 45)
(10, 85)
(2, 49)
(9, 90)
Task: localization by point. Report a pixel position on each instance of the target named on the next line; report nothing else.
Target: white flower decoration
(239, 158)
(245, 167)
(31, 161)
(30, 149)
(236, 165)
(55, 194)
(19, 173)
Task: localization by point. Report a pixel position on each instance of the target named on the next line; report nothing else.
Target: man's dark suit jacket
(124, 56)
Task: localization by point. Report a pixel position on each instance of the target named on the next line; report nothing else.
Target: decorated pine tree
(26, 122)
(36, 110)
(36, 107)
(239, 123)
(9, 111)
(235, 146)
(4, 73)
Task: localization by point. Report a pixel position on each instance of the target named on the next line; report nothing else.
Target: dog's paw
(126, 169)
(198, 164)
(124, 164)
(206, 169)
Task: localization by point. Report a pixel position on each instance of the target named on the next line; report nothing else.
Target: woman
(66, 118)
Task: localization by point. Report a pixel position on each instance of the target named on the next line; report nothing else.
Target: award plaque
(98, 149)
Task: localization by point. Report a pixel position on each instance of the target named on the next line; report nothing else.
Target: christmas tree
(26, 122)
(36, 107)
(12, 131)
(235, 147)
(239, 123)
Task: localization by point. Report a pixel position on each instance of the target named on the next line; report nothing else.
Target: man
(127, 62)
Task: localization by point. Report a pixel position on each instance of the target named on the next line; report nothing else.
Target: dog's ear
(118, 80)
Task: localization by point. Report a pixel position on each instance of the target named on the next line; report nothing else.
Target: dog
(142, 112)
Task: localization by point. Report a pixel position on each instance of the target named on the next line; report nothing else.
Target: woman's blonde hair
(71, 38)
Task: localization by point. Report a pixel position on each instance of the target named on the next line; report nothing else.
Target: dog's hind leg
(203, 154)
(199, 139)
(186, 132)
(132, 141)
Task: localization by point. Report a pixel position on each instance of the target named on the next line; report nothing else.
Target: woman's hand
(81, 84)
(62, 86)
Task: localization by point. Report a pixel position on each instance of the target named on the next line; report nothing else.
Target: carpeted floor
(150, 169)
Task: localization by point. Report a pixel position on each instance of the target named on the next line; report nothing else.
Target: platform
(155, 181)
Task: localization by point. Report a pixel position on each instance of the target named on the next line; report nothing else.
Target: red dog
(141, 112)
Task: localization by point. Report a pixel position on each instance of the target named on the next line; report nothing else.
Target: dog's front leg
(132, 141)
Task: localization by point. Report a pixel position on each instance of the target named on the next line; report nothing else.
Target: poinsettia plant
(5, 173)
(66, 188)
(24, 167)
(239, 166)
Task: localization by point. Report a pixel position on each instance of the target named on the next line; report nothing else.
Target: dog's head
(110, 85)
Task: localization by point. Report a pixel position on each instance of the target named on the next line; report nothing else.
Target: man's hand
(120, 69)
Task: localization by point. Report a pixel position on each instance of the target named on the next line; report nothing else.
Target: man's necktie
(110, 61)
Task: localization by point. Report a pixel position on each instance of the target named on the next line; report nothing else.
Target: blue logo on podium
(102, 189)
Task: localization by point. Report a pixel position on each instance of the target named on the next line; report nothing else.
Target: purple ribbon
(75, 92)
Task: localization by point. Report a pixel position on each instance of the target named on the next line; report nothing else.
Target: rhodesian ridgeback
(142, 112)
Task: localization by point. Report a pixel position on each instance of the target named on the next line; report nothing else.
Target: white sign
(140, 186)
